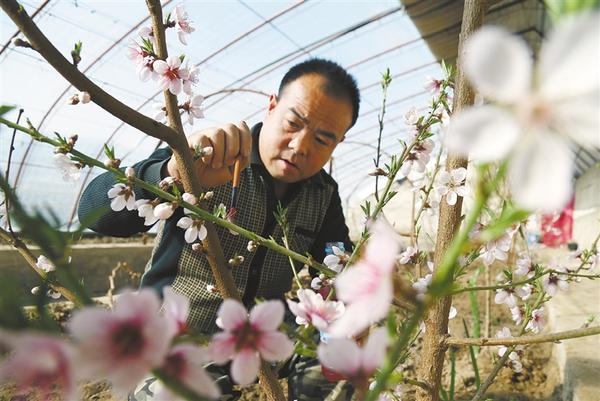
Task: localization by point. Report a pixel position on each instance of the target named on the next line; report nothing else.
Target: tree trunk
(436, 319)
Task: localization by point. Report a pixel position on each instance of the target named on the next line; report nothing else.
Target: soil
(538, 380)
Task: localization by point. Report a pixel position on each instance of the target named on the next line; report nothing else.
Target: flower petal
(231, 314)
(373, 352)
(244, 367)
(487, 132)
(498, 64)
(267, 315)
(275, 346)
(570, 59)
(540, 173)
(184, 222)
(341, 355)
(160, 66)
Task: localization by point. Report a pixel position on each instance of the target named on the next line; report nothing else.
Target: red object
(557, 228)
(332, 376)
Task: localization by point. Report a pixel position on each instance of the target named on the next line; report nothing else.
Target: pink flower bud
(84, 97)
(164, 211)
(130, 172)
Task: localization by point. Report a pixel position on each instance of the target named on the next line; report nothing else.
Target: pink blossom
(344, 356)
(552, 282)
(189, 198)
(192, 79)
(366, 288)
(497, 249)
(246, 339)
(537, 322)
(518, 314)
(193, 107)
(411, 117)
(171, 74)
(124, 344)
(506, 296)
(525, 267)
(183, 24)
(184, 364)
(409, 255)
(176, 307)
(146, 32)
(524, 292)
(39, 364)
(314, 310)
(433, 85)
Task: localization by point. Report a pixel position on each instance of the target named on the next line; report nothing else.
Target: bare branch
(545, 338)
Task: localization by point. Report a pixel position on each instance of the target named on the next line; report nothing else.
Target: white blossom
(194, 228)
(497, 249)
(70, 170)
(524, 291)
(45, 264)
(145, 210)
(408, 256)
(537, 322)
(539, 116)
(453, 185)
(122, 197)
(193, 108)
(164, 210)
(183, 24)
(189, 198)
(524, 267)
(337, 260)
(433, 85)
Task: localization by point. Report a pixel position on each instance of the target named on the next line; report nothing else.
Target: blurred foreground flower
(366, 288)
(122, 345)
(543, 113)
(246, 339)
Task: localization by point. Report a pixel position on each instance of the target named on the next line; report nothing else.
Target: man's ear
(272, 103)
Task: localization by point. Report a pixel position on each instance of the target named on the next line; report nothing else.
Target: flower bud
(35, 290)
(378, 172)
(189, 198)
(84, 97)
(164, 211)
(198, 247)
(72, 140)
(236, 260)
(208, 195)
(130, 172)
(251, 246)
(165, 183)
(212, 289)
(114, 163)
(54, 294)
(73, 100)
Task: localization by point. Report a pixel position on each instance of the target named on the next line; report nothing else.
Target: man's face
(301, 129)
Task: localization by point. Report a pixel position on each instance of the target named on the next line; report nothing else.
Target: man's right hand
(229, 143)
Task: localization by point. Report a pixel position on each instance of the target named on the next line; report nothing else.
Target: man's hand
(229, 143)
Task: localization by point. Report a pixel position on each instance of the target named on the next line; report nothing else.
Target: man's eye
(322, 141)
(292, 124)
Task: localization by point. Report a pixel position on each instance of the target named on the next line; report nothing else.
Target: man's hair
(339, 84)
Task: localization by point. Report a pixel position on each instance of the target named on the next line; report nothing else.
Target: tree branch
(76, 78)
(545, 338)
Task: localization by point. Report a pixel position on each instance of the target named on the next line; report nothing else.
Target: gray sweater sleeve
(122, 223)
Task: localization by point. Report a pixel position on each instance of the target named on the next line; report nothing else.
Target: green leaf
(509, 216)
(5, 109)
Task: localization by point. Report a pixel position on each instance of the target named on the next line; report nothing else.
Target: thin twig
(545, 338)
(11, 149)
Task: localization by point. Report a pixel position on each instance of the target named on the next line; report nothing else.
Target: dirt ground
(538, 380)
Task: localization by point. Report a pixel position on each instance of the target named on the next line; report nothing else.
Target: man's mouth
(289, 164)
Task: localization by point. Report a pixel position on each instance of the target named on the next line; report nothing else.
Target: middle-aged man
(282, 160)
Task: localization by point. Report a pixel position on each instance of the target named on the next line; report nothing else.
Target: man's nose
(300, 143)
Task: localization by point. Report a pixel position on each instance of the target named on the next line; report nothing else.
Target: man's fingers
(217, 139)
(245, 141)
(205, 143)
(232, 143)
